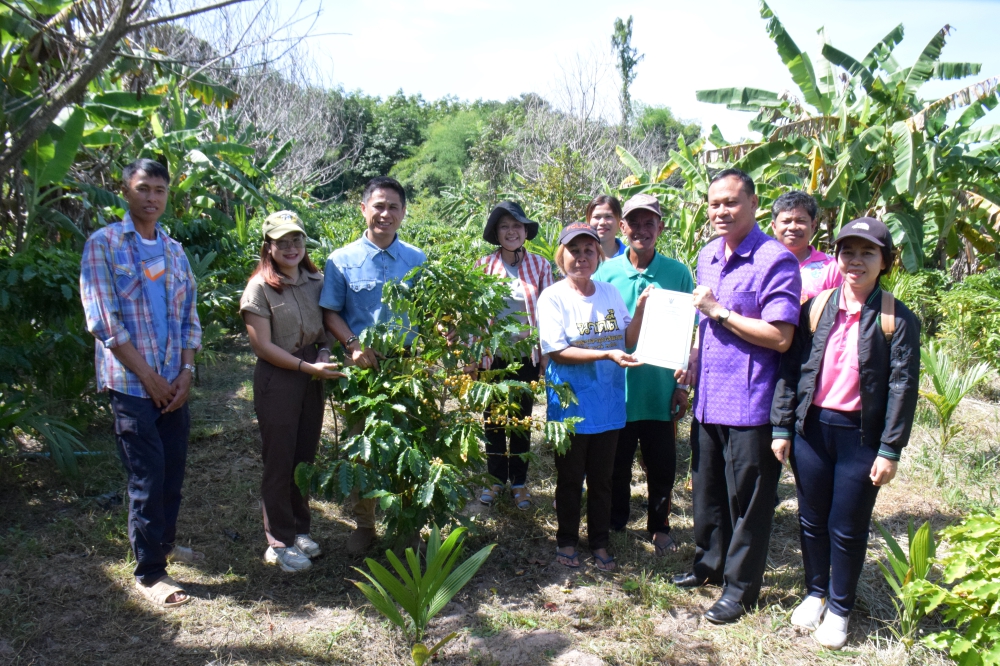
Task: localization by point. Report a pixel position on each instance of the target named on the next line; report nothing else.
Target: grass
(66, 590)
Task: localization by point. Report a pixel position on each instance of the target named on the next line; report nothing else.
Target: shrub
(971, 316)
(419, 414)
(971, 567)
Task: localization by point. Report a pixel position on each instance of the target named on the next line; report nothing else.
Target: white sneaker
(289, 559)
(832, 633)
(307, 546)
(809, 613)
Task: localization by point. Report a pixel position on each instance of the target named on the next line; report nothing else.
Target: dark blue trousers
(153, 449)
(836, 498)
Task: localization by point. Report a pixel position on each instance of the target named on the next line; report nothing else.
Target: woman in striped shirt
(528, 274)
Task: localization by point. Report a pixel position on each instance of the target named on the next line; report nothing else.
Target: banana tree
(867, 143)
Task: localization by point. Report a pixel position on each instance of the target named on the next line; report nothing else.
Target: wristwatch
(724, 315)
(188, 366)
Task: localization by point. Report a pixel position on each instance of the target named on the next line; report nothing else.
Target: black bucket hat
(515, 211)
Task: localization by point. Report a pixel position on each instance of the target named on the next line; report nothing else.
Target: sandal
(667, 546)
(571, 557)
(161, 590)
(184, 554)
(606, 563)
(522, 498)
(489, 495)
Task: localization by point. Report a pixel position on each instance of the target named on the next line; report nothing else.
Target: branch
(43, 116)
(179, 15)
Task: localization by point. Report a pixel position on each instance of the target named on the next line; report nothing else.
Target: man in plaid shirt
(139, 299)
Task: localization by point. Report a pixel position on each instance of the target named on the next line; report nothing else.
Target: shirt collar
(128, 227)
(871, 301)
(649, 271)
(746, 246)
(814, 256)
(304, 276)
(392, 250)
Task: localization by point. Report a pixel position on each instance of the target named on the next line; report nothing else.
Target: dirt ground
(66, 592)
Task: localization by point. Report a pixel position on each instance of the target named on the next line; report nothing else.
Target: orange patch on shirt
(154, 268)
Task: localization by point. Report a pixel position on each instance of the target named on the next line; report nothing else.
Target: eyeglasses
(298, 243)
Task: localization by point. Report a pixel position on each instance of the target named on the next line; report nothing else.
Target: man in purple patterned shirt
(748, 297)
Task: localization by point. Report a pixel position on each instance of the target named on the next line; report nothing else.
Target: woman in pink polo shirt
(848, 388)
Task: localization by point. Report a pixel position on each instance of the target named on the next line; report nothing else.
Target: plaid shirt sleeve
(97, 292)
(190, 323)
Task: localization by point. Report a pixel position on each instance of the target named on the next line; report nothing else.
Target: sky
(492, 49)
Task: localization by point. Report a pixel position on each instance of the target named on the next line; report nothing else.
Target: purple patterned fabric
(761, 280)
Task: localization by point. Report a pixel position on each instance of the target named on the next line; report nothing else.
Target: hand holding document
(667, 325)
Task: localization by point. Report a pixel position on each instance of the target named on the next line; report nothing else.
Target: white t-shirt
(598, 321)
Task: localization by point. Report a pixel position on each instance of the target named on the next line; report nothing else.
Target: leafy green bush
(922, 292)
(971, 566)
(420, 414)
(971, 316)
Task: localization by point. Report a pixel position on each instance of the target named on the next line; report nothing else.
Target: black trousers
(836, 499)
(735, 479)
(511, 466)
(659, 453)
(592, 456)
(153, 450)
(289, 406)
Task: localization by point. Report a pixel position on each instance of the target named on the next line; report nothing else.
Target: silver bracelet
(188, 366)
(684, 387)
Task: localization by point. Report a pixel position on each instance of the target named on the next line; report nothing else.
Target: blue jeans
(153, 449)
(836, 499)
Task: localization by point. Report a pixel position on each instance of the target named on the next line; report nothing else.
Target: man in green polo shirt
(652, 397)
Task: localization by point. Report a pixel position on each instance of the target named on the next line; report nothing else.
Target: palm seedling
(421, 595)
(903, 570)
(950, 385)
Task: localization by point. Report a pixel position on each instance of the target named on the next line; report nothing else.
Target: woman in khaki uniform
(280, 306)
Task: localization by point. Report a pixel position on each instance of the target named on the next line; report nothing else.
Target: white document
(667, 325)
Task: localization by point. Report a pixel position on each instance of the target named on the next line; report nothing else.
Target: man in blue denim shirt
(352, 298)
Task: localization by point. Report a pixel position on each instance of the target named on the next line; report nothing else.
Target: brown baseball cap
(642, 202)
(571, 231)
(868, 228)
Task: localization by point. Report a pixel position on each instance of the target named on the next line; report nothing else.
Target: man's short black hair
(146, 166)
(383, 183)
(792, 200)
(746, 180)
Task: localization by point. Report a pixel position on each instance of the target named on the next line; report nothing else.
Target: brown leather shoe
(359, 542)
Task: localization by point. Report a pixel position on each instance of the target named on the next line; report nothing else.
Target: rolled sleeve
(254, 301)
(99, 298)
(780, 291)
(334, 293)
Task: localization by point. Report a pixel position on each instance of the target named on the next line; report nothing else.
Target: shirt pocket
(285, 325)
(745, 303)
(365, 295)
(127, 282)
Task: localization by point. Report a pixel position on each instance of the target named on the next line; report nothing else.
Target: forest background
(228, 100)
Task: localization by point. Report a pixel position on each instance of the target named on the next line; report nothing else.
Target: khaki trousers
(289, 406)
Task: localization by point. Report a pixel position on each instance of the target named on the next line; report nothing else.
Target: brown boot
(359, 542)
